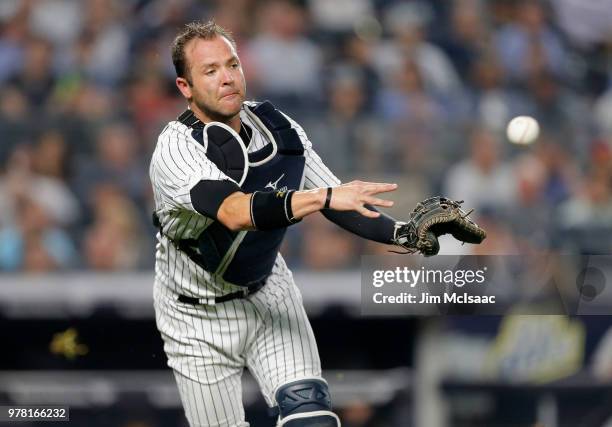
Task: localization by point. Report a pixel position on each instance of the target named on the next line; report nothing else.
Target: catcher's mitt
(434, 217)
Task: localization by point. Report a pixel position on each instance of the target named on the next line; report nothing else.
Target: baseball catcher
(229, 177)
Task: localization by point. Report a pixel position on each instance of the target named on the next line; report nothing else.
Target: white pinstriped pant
(208, 347)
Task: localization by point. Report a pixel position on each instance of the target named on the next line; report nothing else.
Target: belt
(223, 298)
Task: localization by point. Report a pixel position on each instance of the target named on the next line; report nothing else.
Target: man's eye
(235, 65)
(210, 72)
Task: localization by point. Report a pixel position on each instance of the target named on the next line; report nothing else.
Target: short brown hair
(195, 30)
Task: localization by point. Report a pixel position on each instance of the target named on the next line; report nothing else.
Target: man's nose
(228, 76)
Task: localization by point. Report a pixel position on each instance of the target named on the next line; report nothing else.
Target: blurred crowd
(415, 92)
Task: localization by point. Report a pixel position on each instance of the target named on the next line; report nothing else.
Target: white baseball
(523, 130)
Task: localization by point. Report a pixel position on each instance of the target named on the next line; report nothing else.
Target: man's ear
(184, 86)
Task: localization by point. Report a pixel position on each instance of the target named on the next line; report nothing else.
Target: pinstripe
(233, 324)
(197, 375)
(164, 159)
(213, 363)
(309, 339)
(264, 351)
(288, 368)
(172, 165)
(268, 354)
(217, 309)
(279, 316)
(172, 339)
(208, 346)
(290, 341)
(254, 364)
(299, 332)
(192, 408)
(180, 149)
(290, 334)
(236, 408)
(197, 371)
(195, 406)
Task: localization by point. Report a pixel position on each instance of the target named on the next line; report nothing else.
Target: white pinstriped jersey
(178, 163)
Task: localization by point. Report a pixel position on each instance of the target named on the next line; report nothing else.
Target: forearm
(224, 201)
(306, 202)
(236, 211)
(379, 229)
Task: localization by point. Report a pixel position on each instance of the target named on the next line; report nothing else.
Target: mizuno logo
(273, 185)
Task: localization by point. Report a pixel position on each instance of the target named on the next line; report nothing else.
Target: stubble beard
(216, 115)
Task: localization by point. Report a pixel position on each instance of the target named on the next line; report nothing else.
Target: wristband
(328, 198)
(288, 208)
(272, 209)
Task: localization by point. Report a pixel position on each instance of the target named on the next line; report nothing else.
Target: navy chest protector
(246, 258)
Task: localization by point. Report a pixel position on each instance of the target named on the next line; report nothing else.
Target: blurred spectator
(340, 16)
(14, 124)
(414, 150)
(585, 219)
(84, 110)
(235, 16)
(151, 105)
(468, 36)
(358, 56)
(50, 155)
(36, 80)
(585, 23)
(348, 138)
(528, 45)
(407, 100)
(591, 206)
(531, 179)
(286, 65)
(561, 173)
(483, 179)
(407, 22)
(50, 193)
(492, 104)
(106, 49)
(411, 115)
(44, 20)
(326, 246)
(114, 241)
(117, 160)
(603, 113)
(153, 26)
(554, 108)
(13, 32)
(34, 243)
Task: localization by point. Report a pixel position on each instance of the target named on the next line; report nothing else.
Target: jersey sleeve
(316, 173)
(178, 164)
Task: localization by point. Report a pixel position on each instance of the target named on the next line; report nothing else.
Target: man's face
(217, 83)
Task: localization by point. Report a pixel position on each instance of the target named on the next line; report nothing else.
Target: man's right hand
(354, 195)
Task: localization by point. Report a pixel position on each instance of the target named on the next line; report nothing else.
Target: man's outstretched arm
(269, 210)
